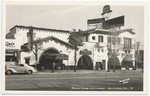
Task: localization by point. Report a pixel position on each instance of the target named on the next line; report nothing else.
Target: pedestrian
(53, 66)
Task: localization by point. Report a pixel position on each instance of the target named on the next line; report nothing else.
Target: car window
(20, 65)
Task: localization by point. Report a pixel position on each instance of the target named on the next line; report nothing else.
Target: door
(20, 68)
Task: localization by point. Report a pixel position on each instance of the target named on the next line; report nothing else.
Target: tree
(76, 40)
(37, 45)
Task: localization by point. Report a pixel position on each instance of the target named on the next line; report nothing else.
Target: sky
(68, 17)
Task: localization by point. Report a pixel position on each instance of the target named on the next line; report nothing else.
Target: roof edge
(39, 28)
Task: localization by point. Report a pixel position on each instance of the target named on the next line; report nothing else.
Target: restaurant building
(95, 54)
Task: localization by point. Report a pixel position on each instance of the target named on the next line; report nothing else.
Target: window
(127, 51)
(102, 50)
(10, 58)
(86, 38)
(100, 38)
(127, 43)
(93, 37)
(27, 61)
(118, 40)
(20, 65)
(98, 50)
(114, 40)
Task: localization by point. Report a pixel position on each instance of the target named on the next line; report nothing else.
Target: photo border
(46, 2)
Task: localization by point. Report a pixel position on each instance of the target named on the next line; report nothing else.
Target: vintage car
(19, 68)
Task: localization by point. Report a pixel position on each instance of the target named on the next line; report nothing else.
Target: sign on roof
(93, 21)
(106, 9)
(115, 22)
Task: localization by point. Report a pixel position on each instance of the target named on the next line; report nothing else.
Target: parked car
(19, 68)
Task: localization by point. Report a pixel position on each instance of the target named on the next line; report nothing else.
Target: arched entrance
(85, 62)
(47, 58)
(114, 63)
(127, 62)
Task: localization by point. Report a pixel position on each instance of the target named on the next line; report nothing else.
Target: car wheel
(29, 72)
(8, 72)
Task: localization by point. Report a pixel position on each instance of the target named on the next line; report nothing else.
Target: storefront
(12, 54)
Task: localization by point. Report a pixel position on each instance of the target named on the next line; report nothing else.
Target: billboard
(97, 20)
(115, 22)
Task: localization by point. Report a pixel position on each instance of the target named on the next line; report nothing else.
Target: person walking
(53, 67)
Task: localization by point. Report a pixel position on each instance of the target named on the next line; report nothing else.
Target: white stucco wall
(21, 38)
(45, 33)
(21, 35)
(96, 37)
(95, 56)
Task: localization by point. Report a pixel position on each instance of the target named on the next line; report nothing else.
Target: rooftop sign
(115, 22)
(94, 21)
(106, 9)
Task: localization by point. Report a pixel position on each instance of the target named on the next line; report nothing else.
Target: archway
(47, 58)
(127, 62)
(85, 62)
(114, 63)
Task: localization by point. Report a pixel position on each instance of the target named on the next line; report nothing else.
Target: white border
(46, 2)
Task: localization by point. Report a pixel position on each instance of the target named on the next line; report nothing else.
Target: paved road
(75, 81)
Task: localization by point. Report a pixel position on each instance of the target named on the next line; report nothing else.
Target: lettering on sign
(10, 44)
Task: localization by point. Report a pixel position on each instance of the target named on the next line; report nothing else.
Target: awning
(9, 54)
(11, 50)
(128, 58)
(62, 57)
(56, 56)
(114, 61)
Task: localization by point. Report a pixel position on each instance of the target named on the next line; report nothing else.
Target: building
(98, 51)
(101, 43)
(54, 42)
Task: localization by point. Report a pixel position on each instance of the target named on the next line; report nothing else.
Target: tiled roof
(106, 32)
(58, 40)
(10, 35)
(55, 39)
(39, 28)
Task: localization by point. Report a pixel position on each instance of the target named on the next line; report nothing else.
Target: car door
(20, 68)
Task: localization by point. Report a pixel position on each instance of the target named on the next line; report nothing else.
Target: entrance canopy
(56, 56)
(128, 58)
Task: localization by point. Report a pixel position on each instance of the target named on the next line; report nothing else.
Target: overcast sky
(68, 17)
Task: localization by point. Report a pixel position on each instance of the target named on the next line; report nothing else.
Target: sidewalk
(86, 71)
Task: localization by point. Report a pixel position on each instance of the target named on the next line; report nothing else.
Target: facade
(54, 47)
(55, 41)
(100, 43)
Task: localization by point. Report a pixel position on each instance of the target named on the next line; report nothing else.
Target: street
(82, 80)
